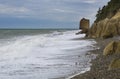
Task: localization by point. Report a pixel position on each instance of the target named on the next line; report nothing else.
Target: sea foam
(44, 56)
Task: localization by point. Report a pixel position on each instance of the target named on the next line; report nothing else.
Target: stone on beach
(115, 64)
(111, 48)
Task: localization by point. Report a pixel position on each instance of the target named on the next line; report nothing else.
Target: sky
(47, 13)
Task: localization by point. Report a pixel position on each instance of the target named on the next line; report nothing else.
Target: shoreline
(99, 67)
(78, 74)
(94, 47)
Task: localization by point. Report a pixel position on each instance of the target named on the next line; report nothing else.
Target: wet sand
(99, 68)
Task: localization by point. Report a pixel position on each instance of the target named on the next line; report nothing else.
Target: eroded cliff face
(106, 28)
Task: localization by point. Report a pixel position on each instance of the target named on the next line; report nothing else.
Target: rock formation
(106, 28)
(84, 25)
(106, 25)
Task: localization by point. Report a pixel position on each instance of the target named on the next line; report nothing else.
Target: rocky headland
(106, 31)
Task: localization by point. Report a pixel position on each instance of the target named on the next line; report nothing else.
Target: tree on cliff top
(108, 11)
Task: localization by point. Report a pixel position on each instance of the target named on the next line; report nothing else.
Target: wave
(42, 54)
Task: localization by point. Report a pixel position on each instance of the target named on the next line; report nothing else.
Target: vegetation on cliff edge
(108, 11)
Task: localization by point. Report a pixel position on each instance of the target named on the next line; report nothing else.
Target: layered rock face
(84, 25)
(106, 25)
(106, 28)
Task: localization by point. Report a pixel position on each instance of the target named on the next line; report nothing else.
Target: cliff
(108, 10)
(107, 25)
(106, 28)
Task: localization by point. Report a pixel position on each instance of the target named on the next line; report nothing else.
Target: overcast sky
(47, 13)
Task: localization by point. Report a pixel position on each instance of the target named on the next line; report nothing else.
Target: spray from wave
(44, 56)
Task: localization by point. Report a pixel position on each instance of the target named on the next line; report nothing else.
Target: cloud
(64, 11)
(90, 1)
(60, 10)
(13, 10)
(56, 10)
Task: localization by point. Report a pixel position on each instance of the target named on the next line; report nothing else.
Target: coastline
(99, 67)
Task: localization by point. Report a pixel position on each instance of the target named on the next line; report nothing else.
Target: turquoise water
(43, 54)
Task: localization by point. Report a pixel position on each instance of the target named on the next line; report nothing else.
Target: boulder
(117, 47)
(112, 48)
(78, 33)
(115, 64)
(109, 49)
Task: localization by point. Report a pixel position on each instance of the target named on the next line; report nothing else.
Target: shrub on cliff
(108, 11)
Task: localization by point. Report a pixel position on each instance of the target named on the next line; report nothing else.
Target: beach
(53, 54)
(59, 39)
(99, 68)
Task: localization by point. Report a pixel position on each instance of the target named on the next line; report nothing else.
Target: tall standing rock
(84, 25)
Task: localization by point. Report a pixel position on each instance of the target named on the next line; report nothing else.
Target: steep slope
(107, 23)
(106, 28)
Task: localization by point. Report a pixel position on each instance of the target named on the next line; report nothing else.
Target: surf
(44, 55)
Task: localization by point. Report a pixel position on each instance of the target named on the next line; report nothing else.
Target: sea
(44, 53)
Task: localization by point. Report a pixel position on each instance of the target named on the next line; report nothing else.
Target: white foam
(44, 50)
(87, 69)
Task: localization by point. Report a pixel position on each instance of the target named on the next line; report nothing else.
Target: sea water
(43, 54)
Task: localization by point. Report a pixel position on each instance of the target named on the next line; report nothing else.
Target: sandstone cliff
(106, 28)
(107, 25)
